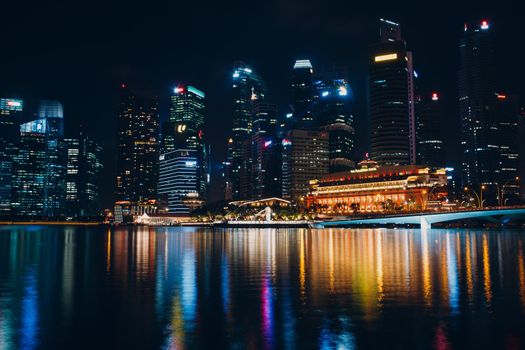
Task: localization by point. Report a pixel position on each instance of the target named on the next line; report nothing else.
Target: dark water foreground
(185, 288)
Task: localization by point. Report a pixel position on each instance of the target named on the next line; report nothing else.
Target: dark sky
(78, 52)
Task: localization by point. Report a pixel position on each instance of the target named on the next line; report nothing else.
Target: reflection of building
(178, 180)
(305, 157)
(83, 176)
(392, 116)
(137, 147)
(39, 164)
(377, 188)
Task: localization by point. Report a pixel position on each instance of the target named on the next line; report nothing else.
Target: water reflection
(182, 288)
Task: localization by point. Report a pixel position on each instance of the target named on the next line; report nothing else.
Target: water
(188, 288)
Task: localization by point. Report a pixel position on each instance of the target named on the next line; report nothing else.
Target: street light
(481, 191)
(480, 203)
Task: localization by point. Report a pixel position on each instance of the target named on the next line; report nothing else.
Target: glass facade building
(430, 121)
(302, 95)
(178, 180)
(137, 147)
(391, 99)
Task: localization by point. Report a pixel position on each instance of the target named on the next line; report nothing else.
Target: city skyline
(219, 110)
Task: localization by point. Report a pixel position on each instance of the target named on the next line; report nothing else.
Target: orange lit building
(374, 188)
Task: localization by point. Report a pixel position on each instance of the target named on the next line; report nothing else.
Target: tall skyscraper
(302, 94)
(332, 113)
(10, 119)
(186, 120)
(184, 130)
(430, 122)
(83, 176)
(391, 99)
(247, 87)
(137, 147)
(39, 166)
(305, 158)
(265, 157)
(476, 101)
(178, 180)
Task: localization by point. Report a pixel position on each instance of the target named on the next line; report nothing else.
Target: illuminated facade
(39, 165)
(10, 118)
(137, 147)
(377, 188)
(247, 86)
(178, 180)
(430, 121)
(332, 114)
(476, 101)
(391, 99)
(83, 176)
(305, 157)
(302, 94)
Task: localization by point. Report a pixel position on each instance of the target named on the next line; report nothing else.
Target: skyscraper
(137, 147)
(332, 113)
(391, 99)
(476, 101)
(430, 122)
(39, 166)
(265, 157)
(83, 176)
(184, 130)
(10, 119)
(178, 178)
(302, 94)
(247, 87)
(305, 158)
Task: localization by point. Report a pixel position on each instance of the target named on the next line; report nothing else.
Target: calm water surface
(189, 288)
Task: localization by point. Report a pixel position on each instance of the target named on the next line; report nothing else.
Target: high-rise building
(247, 87)
(39, 166)
(184, 130)
(302, 94)
(304, 158)
(178, 180)
(10, 119)
(137, 147)
(430, 121)
(476, 100)
(186, 120)
(391, 99)
(227, 172)
(507, 116)
(83, 176)
(332, 113)
(265, 157)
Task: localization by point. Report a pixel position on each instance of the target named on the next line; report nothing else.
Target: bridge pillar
(424, 224)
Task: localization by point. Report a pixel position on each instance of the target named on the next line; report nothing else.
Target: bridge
(426, 219)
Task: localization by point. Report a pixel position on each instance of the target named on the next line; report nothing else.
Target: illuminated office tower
(302, 94)
(332, 113)
(430, 121)
(507, 118)
(305, 158)
(247, 87)
(178, 180)
(137, 147)
(83, 176)
(39, 166)
(265, 157)
(10, 119)
(184, 130)
(391, 99)
(476, 101)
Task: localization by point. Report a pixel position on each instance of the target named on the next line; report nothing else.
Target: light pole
(502, 192)
(480, 203)
(481, 200)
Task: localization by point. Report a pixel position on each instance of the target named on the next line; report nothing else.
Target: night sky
(78, 52)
